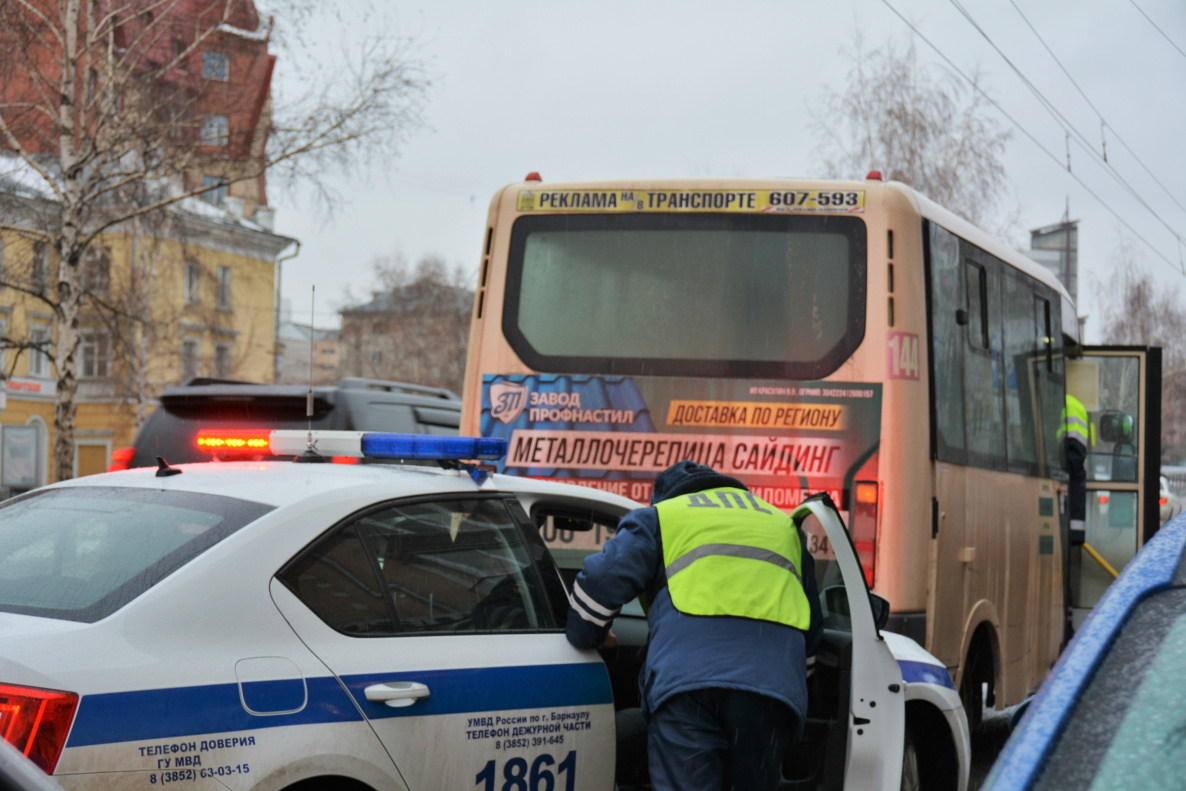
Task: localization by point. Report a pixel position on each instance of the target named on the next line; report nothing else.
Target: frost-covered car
(1109, 715)
(272, 625)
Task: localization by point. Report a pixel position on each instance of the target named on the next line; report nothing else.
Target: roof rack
(358, 383)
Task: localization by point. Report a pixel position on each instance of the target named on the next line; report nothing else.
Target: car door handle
(396, 693)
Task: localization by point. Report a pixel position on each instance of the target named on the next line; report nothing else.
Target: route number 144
(902, 351)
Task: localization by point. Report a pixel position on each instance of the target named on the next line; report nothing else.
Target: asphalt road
(986, 743)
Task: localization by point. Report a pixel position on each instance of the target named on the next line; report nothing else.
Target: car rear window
(82, 553)
(171, 431)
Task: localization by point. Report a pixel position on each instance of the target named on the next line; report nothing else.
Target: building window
(96, 270)
(40, 265)
(38, 359)
(376, 359)
(214, 130)
(216, 196)
(189, 358)
(94, 354)
(222, 360)
(192, 273)
(215, 66)
(179, 52)
(224, 288)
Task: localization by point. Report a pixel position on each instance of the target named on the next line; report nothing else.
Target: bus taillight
(864, 526)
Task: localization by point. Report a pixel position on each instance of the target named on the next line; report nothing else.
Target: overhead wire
(984, 94)
(1155, 27)
(1066, 124)
(1094, 109)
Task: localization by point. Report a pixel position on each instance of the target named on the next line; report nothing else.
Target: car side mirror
(881, 610)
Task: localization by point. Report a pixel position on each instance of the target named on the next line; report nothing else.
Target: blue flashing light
(423, 446)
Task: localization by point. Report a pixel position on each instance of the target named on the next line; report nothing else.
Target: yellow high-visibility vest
(728, 552)
(1074, 421)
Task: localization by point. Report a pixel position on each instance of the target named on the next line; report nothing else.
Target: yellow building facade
(191, 293)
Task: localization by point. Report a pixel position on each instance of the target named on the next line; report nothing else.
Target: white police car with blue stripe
(273, 625)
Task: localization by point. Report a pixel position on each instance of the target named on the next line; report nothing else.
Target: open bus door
(1120, 386)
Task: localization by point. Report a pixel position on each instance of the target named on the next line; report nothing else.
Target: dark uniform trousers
(719, 739)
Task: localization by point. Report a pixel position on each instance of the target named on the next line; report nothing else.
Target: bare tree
(1138, 310)
(917, 124)
(415, 327)
(98, 107)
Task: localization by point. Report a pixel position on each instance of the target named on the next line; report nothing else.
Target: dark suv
(214, 404)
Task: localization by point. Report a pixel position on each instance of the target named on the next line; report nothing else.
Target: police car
(1109, 715)
(280, 625)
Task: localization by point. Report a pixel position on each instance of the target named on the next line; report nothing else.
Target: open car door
(857, 710)
(1120, 387)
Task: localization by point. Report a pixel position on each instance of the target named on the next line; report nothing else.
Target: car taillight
(864, 526)
(344, 459)
(233, 441)
(36, 722)
(120, 459)
(1163, 500)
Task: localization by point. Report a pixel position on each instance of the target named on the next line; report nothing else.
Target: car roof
(282, 483)
(1156, 568)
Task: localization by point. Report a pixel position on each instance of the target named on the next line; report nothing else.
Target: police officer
(734, 615)
(1074, 433)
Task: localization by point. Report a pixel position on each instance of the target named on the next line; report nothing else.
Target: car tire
(911, 778)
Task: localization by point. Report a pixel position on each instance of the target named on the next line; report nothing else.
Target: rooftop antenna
(310, 453)
(309, 395)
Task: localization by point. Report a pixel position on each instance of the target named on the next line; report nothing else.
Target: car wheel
(911, 781)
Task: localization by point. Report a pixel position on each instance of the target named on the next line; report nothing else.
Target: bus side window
(947, 342)
(1049, 320)
(977, 305)
(1023, 364)
(984, 385)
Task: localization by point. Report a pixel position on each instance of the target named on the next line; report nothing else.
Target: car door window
(424, 567)
(336, 580)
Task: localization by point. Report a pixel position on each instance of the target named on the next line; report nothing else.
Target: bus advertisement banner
(785, 440)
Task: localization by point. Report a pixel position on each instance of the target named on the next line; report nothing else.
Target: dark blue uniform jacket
(689, 652)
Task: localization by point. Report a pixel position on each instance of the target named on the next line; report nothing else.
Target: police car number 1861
(516, 776)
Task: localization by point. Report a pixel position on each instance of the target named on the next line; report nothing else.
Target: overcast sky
(677, 89)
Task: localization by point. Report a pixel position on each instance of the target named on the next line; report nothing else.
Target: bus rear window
(760, 296)
(80, 554)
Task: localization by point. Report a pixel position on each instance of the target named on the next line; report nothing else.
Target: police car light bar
(380, 445)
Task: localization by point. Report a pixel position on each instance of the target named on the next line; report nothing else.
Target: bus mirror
(881, 610)
(1115, 426)
(961, 317)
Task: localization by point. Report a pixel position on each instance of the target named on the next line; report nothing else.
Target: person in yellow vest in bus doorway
(1074, 433)
(734, 618)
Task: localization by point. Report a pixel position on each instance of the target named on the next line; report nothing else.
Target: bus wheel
(978, 672)
(972, 696)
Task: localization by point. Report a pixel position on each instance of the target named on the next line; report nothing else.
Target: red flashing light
(533, 176)
(36, 722)
(874, 175)
(863, 525)
(121, 458)
(234, 441)
(1103, 499)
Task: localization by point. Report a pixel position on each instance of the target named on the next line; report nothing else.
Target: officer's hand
(611, 640)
